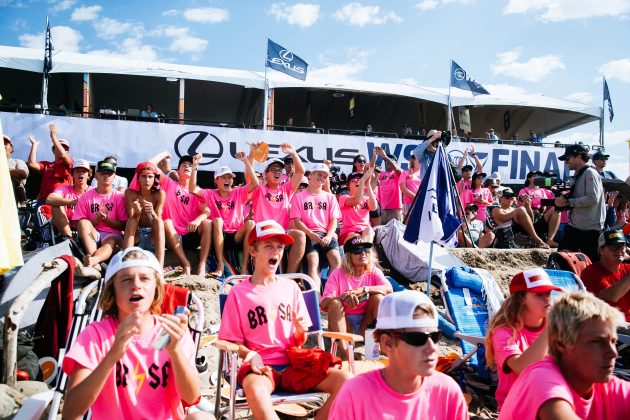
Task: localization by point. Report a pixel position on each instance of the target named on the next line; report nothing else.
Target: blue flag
(432, 217)
(460, 80)
(607, 98)
(281, 59)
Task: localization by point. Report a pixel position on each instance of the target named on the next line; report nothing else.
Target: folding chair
(228, 352)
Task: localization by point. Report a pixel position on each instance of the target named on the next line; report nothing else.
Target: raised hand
(241, 156)
(287, 148)
(32, 140)
(53, 130)
(196, 159)
(125, 332)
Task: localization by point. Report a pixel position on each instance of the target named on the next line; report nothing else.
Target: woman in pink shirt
(478, 195)
(410, 183)
(356, 207)
(115, 367)
(517, 334)
(354, 290)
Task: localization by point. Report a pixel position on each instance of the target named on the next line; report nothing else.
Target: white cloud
(616, 69)
(108, 28)
(355, 63)
(300, 14)
(170, 12)
(433, 4)
(533, 70)
(506, 90)
(64, 38)
(358, 15)
(81, 14)
(132, 48)
(206, 15)
(59, 6)
(181, 40)
(582, 97)
(562, 10)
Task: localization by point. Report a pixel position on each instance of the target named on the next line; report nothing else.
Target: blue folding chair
(228, 352)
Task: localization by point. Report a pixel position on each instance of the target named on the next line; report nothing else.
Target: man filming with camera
(585, 202)
(425, 152)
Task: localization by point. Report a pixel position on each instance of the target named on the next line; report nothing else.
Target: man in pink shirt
(316, 212)
(226, 205)
(576, 380)
(65, 197)
(408, 387)
(271, 200)
(186, 218)
(389, 195)
(100, 215)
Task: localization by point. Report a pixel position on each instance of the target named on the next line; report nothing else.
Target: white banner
(133, 142)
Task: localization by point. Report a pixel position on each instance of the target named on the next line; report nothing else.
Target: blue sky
(559, 48)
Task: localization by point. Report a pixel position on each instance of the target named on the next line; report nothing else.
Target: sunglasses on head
(360, 251)
(418, 339)
(360, 161)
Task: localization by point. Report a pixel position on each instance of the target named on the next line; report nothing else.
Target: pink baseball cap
(64, 143)
(535, 280)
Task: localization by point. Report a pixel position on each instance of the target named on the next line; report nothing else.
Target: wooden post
(87, 94)
(182, 96)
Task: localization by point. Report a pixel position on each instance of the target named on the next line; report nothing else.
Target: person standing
(56, 173)
(18, 170)
(599, 163)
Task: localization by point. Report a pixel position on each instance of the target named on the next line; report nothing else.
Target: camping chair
(83, 316)
(228, 352)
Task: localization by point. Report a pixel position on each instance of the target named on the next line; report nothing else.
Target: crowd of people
(290, 210)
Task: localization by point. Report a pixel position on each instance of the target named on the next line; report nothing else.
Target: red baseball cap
(269, 229)
(146, 166)
(534, 280)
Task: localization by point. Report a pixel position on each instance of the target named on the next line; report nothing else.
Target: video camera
(338, 181)
(556, 185)
(445, 138)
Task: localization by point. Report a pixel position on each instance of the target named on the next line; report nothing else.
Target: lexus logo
(286, 55)
(193, 142)
(460, 74)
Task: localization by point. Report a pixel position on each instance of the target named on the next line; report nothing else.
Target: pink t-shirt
(389, 191)
(180, 206)
(272, 204)
(67, 191)
(367, 396)
(470, 196)
(92, 202)
(356, 218)
(543, 381)
(339, 282)
(506, 344)
(315, 210)
(259, 317)
(143, 383)
(536, 194)
(229, 208)
(412, 181)
(463, 185)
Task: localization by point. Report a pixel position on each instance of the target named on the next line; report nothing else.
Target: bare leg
(371, 311)
(107, 248)
(332, 384)
(486, 239)
(553, 223)
(367, 235)
(205, 232)
(173, 242)
(334, 259)
(522, 218)
(87, 234)
(157, 238)
(297, 251)
(312, 260)
(241, 236)
(258, 389)
(60, 221)
(217, 236)
(132, 236)
(375, 221)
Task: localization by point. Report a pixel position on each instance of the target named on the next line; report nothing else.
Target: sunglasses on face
(418, 339)
(360, 161)
(360, 251)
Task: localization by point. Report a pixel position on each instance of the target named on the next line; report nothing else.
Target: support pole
(430, 269)
(182, 97)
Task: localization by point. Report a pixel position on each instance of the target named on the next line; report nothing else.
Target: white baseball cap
(268, 229)
(321, 167)
(396, 311)
(222, 171)
(116, 264)
(81, 163)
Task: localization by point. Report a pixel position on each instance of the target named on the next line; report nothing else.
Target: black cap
(472, 207)
(573, 150)
(184, 159)
(354, 175)
(287, 159)
(508, 192)
(533, 173)
(355, 243)
(392, 157)
(466, 168)
(612, 237)
(599, 155)
(274, 162)
(479, 175)
(105, 165)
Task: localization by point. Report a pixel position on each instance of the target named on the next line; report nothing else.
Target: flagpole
(448, 123)
(44, 92)
(602, 114)
(266, 104)
(430, 264)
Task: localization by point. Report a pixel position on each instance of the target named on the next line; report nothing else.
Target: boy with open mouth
(226, 205)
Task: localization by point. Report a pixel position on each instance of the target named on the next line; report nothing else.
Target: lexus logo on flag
(283, 60)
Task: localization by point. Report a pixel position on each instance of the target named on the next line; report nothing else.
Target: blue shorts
(145, 239)
(355, 321)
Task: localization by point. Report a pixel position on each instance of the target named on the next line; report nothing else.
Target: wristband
(250, 355)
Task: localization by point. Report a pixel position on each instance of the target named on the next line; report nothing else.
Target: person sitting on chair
(408, 387)
(356, 207)
(114, 367)
(354, 290)
(149, 112)
(475, 232)
(267, 316)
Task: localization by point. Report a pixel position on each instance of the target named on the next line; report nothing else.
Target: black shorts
(191, 241)
(229, 240)
(311, 247)
(376, 213)
(585, 241)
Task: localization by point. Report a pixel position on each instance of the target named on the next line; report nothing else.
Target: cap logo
(535, 278)
(615, 235)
